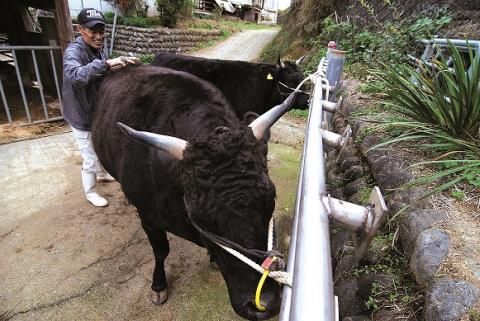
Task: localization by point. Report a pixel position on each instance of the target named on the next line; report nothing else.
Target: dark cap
(90, 17)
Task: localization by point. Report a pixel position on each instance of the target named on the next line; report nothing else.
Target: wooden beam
(64, 23)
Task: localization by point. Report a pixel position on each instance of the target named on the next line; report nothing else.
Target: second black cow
(248, 86)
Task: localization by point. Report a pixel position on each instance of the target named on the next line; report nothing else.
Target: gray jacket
(81, 65)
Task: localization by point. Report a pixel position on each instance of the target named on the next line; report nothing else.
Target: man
(84, 61)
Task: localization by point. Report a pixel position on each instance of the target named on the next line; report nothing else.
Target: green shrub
(365, 45)
(169, 11)
(442, 110)
(136, 21)
(147, 58)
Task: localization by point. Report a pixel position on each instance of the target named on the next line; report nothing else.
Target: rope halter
(236, 250)
(278, 82)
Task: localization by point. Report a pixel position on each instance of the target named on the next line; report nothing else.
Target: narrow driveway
(245, 46)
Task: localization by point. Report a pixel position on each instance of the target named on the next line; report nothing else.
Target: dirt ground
(64, 259)
(71, 261)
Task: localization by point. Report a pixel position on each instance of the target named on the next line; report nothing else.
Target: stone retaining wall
(425, 244)
(148, 40)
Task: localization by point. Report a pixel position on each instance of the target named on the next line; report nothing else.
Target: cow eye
(221, 130)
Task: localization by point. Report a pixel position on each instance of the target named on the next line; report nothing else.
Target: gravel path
(245, 46)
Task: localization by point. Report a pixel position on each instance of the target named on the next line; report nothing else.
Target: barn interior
(25, 25)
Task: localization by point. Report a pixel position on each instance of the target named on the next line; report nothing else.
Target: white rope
(279, 276)
(270, 234)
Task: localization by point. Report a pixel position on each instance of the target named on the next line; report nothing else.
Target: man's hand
(122, 61)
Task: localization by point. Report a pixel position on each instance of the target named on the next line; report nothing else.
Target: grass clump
(441, 109)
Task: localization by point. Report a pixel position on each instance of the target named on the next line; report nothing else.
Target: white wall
(77, 5)
(104, 6)
(271, 5)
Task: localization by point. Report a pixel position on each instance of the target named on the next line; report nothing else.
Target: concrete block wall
(149, 40)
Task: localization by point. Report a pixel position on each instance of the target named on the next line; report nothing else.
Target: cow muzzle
(271, 301)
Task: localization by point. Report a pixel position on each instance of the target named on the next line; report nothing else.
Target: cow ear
(269, 73)
(249, 117)
(221, 130)
(279, 63)
(299, 60)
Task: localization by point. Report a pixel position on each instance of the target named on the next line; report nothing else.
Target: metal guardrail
(311, 296)
(33, 50)
(432, 52)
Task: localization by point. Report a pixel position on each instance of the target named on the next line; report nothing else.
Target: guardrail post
(334, 69)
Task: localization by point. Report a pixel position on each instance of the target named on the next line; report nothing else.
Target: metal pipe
(335, 67)
(113, 32)
(9, 48)
(40, 86)
(56, 81)
(354, 216)
(20, 84)
(456, 42)
(53, 119)
(331, 139)
(330, 106)
(333, 72)
(312, 294)
(287, 291)
(5, 104)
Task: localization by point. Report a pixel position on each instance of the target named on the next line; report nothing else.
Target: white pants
(84, 141)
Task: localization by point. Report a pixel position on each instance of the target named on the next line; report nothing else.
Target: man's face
(94, 36)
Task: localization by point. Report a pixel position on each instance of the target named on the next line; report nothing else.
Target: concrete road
(245, 46)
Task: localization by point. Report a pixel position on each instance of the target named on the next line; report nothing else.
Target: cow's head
(228, 192)
(287, 76)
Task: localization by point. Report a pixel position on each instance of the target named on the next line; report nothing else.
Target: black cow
(248, 86)
(210, 163)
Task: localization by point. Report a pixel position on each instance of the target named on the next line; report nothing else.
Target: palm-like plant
(442, 109)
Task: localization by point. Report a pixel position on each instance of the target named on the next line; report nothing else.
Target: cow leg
(158, 239)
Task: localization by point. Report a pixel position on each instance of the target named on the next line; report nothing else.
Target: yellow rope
(260, 307)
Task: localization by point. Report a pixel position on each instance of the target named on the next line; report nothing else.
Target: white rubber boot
(105, 177)
(89, 181)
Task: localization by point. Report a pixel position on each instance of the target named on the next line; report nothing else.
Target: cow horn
(280, 63)
(299, 60)
(260, 125)
(172, 145)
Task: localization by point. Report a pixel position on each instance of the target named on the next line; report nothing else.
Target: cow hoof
(159, 297)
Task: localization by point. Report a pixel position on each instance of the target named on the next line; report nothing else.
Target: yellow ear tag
(269, 76)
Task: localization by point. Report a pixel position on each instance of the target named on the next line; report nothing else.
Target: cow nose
(251, 305)
(271, 304)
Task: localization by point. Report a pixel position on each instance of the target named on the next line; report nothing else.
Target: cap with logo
(90, 17)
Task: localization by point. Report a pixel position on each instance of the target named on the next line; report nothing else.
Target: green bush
(441, 107)
(146, 58)
(170, 11)
(136, 21)
(367, 45)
